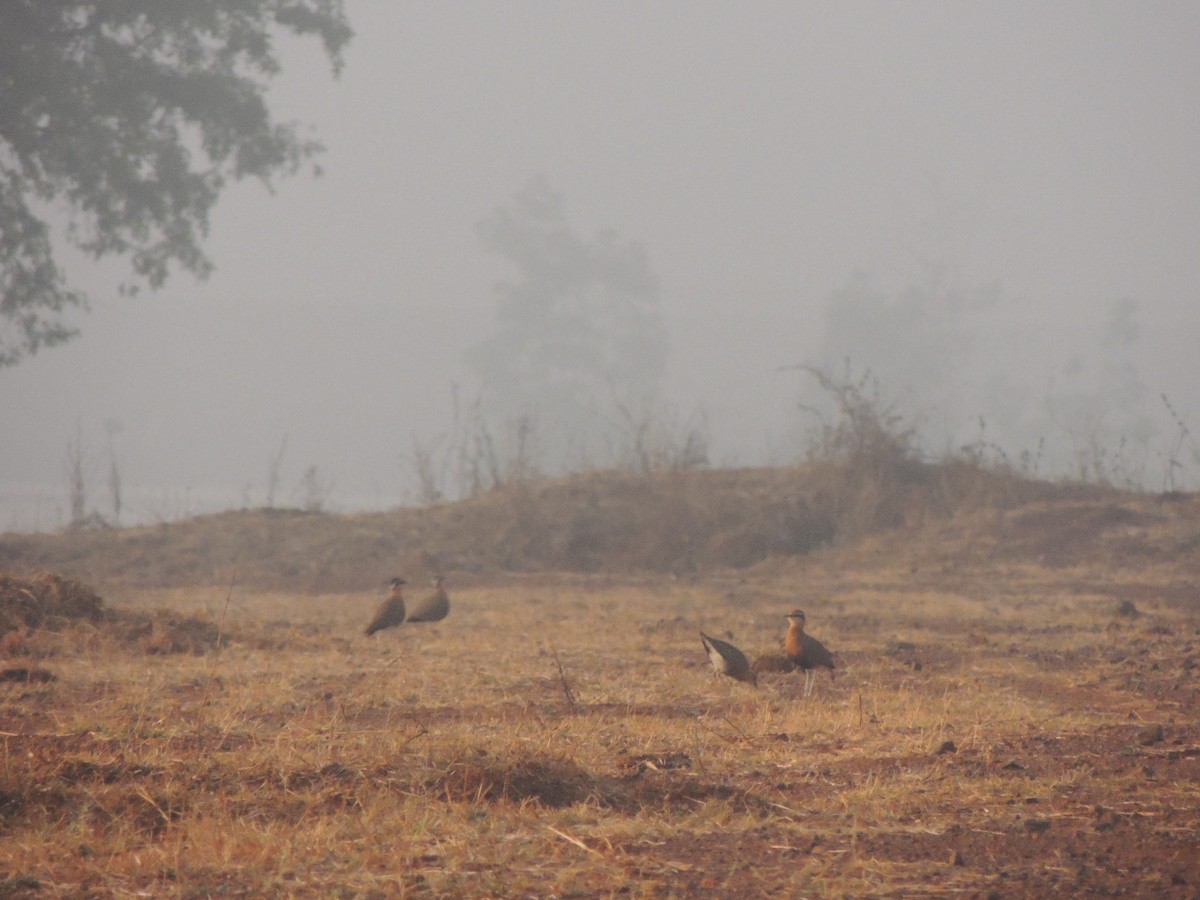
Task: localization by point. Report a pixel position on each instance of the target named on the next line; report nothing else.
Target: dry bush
(864, 469)
(866, 472)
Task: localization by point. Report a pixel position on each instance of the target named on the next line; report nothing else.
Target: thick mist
(992, 210)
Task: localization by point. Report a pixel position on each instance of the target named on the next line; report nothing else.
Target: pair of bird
(801, 651)
(392, 612)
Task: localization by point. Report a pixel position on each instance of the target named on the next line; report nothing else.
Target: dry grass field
(1017, 714)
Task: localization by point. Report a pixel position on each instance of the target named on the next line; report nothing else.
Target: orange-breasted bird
(805, 651)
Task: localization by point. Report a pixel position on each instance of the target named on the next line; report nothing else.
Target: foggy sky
(764, 154)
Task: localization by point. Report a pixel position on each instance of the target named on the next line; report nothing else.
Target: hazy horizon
(995, 209)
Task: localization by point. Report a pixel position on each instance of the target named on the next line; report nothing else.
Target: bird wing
(389, 614)
(431, 609)
(816, 654)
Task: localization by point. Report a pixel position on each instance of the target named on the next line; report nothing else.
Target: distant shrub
(865, 469)
(863, 460)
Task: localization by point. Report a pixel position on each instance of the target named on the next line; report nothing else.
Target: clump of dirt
(48, 601)
(647, 781)
(45, 600)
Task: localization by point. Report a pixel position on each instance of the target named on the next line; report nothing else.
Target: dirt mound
(45, 600)
(607, 521)
(552, 782)
(1107, 529)
(48, 601)
(653, 781)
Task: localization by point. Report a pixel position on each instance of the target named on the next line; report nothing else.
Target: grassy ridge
(677, 522)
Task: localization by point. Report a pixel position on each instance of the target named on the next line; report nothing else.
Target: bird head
(396, 583)
(796, 616)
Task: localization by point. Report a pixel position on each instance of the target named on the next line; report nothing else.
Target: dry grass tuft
(45, 599)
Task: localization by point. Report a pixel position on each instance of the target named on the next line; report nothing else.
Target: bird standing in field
(391, 611)
(728, 660)
(433, 608)
(804, 651)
